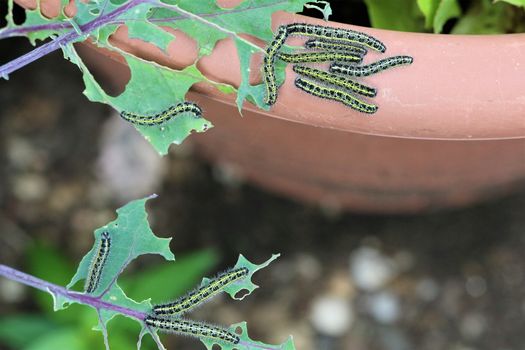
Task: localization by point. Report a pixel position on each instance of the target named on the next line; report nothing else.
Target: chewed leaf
(252, 17)
(160, 87)
(131, 237)
(168, 86)
(245, 285)
(246, 343)
(116, 245)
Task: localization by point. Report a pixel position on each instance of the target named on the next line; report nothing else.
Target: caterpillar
(194, 329)
(336, 95)
(97, 264)
(335, 80)
(337, 34)
(201, 294)
(332, 45)
(164, 116)
(327, 34)
(373, 68)
(268, 65)
(319, 57)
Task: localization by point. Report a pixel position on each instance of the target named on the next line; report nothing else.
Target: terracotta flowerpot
(450, 129)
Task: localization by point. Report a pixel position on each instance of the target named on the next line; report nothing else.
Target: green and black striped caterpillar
(373, 68)
(335, 94)
(319, 57)
(201, 294)
(97, 264)
(191, 328)
(164, 116)
(335, 80)
(338, 34)
(335, 46)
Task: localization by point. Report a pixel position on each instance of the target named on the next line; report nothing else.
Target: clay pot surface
(450, 128)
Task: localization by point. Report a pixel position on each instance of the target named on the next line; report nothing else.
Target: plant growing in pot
(449, 128)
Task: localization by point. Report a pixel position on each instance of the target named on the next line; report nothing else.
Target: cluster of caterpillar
(166, 317)
(336, 45)
(163, 116)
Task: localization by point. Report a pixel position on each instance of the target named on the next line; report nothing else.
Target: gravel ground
(444, 280)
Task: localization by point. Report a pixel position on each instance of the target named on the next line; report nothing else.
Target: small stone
(308, 267)
(476, 286)
(331, 315)
(404, 260)
(128, 165)
(384, 307)
(371, 270)
(228, 174)
(450, 300)
(11, 291)
(427, 289)
(473, 325)
(21, 153)
(30, 187)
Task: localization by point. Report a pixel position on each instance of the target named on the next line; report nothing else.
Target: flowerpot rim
(460, 87)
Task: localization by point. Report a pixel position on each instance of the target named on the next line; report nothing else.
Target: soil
(442, 280)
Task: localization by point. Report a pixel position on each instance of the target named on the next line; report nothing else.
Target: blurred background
(442, 280)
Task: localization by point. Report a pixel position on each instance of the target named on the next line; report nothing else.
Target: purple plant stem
(65, 39)
(80, 298)
(19, 31)
(110, 18)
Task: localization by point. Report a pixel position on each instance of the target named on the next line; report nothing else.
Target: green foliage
(514, 2)
(46, 261)
(152, 87)
(20, 331)
(446, 9)
(287, 345)
(131, 237)
(486, 17)
(29, 331)
(481, 16)
(397, 15)
(438, 12)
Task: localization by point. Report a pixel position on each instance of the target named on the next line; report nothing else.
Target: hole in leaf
(181, 52)
(19, 15)
(225, 69)
(256, 62)
(238, 330)
(3, 12)
(108, 68)
(216, 347)
(342, 12)
(242, 293)
(51, 12)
